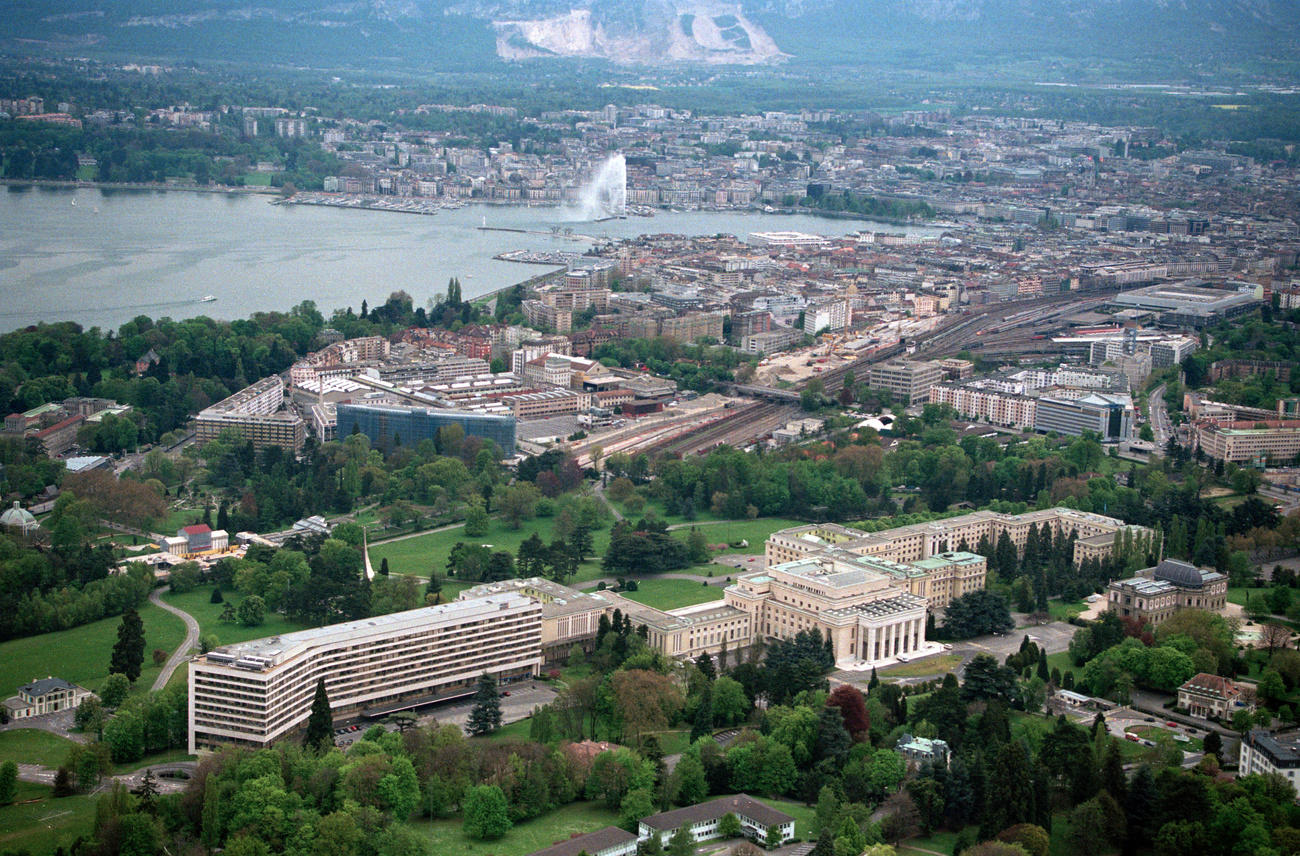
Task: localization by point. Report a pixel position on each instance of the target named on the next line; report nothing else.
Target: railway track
(735, 429)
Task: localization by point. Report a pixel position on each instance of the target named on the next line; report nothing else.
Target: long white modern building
(254, 693)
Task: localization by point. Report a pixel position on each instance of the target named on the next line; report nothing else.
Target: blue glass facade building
(388, 426)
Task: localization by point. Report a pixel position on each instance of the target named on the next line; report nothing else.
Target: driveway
(181, 654)
(60, 723)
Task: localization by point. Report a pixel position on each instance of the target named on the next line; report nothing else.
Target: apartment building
(254, 693)
(1255, 442)
(906, 380)
(254, 413)
(545, 316)
(1155, 594)
(987, 402)
(689, 328)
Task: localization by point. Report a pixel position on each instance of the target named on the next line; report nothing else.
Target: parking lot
(517, 702)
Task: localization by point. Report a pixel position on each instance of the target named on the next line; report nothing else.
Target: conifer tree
(320, 724)
(128, 651)
(485, 717)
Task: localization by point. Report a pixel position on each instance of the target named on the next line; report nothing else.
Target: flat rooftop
(274, 650)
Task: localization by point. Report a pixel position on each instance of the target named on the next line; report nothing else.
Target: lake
(101, 257)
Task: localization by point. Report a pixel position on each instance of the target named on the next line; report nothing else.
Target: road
(170, 777)
(1160, 423)
(181, 654)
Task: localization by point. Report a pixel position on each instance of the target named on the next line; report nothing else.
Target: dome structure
(1179, 573)
(19, 518)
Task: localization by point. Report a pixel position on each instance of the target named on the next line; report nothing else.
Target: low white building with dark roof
(610, 841)
(1264, 752)
(701, 820)
(47, 695)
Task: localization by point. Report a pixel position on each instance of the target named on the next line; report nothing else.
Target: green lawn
(257, 179)
(418, 555)
(1030, 727)
(803, 816)
(513, 731)
(756, 532)
(197, 603)
(1061, 610)
(448, 839)
(178, 519)
(672, 594)
(937, 665)
(33, 746)
(38, 823)
(941, 841)
(81, 654)
(1061, 660)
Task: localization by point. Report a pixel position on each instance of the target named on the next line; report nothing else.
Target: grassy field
(448, 838)
(1061, 610)
(37, 823)
(1061, 660)
(257, 179)
(938, 842)
(197, 604)
(803, 816)
(81, 654)
(33, 746)
(513, 731)
(939, 665)
(756, 532)
(418, 555)
(671, 594)
(1029, 727)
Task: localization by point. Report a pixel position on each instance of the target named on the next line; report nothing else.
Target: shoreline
(275, 191)
(110, 185)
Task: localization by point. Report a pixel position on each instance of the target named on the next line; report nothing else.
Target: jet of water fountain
(606, 194)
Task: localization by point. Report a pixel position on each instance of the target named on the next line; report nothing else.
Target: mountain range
(462, 34)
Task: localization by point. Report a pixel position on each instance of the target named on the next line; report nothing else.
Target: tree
(689, 784)
(252, 611)
(128, 651)
(729, 826)
(977, 613)
(476, 520)
(682, 843)
(216, 595)
(730, 704)
(1213, 745)
(985, 679)
(115, 689)
(487, 815)
(399, 789)
(8, 782)
(638, 803)
(320, 724)
(485, 716)
(853, 710)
